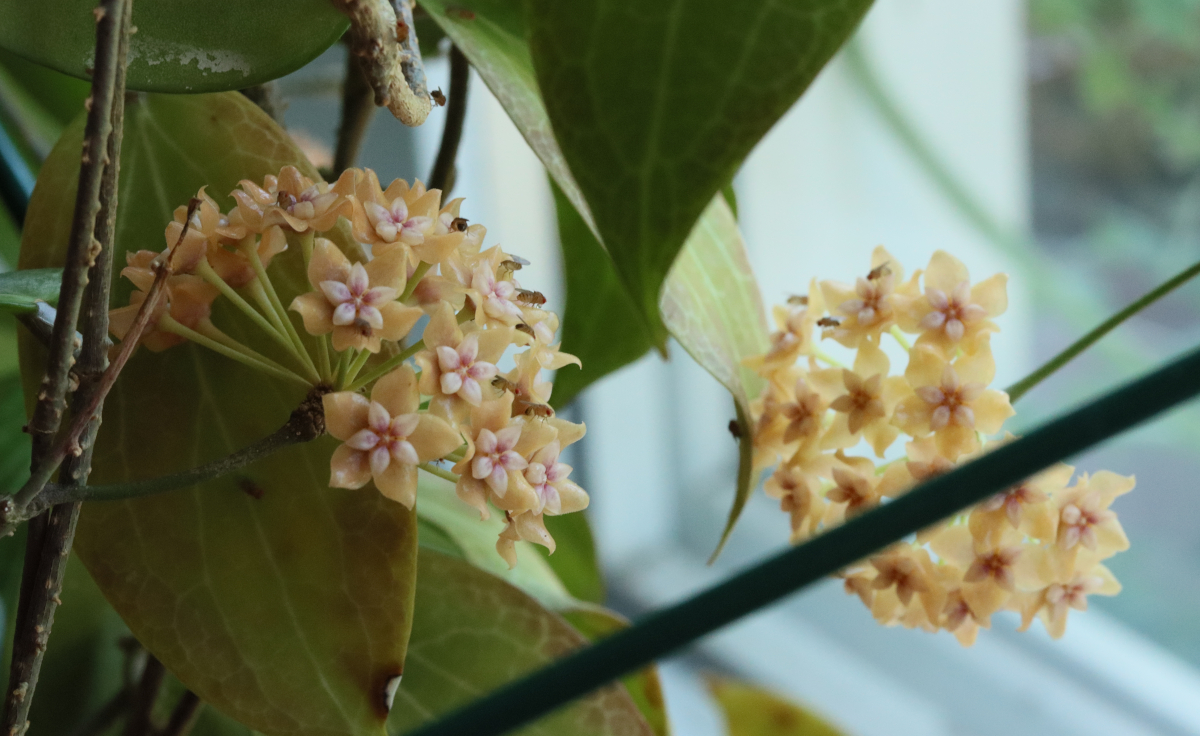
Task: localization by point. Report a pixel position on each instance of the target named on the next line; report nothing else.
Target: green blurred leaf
(492, 35)
(655, 105)
(574, 558)
(20, 291)
(712, 306)
(289, 612)
(56, 94)
(180, 45)
(643, 686)
(438, 505)
(601, 325)
(472, 632)
(752, 711)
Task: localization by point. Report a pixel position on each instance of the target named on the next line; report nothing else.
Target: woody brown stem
(143, 697)
(442, 176)
(358, 107)
(184, 716)
(306, 423)
(86, 282)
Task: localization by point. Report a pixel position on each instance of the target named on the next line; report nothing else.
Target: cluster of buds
(434, 397)
(1036, 549)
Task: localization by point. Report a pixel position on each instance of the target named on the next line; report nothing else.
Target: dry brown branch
(384, 39)
(442, 176)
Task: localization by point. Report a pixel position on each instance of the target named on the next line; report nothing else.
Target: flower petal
(345, 413)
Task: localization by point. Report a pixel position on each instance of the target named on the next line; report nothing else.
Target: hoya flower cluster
(434, 396)
(1036, 549)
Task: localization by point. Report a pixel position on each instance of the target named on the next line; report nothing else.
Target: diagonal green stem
(1020, 388)
(167, 324)
(673, 628)
(387, 366)
(435, 470)
(284, 319)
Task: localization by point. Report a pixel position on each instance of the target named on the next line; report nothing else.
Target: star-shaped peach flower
(457, 365)
(1026, 507)
(497, 446)
(951, 400)
(497, 300)
(798, 492)
(400, 214)
(794, 336)
(386, 437)
(187, 299)
(209, 229)
(292, 201)
(869, 307)
(556, 493)
(525, 526)
(855, 485)
(991, 573)
(908, 574)
(1084, 517)
(356, 303)
(864, 400)
(952, 313)
(1054, 602)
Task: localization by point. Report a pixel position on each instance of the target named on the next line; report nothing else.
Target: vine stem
(386, 366)
(87, 277)
(442, 175)
(1022, 387)
(51, 458)
(435, 470)
(358, 107)
(306, 423)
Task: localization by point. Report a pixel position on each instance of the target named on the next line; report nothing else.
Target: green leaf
(180, 46)
(20, 291)
(472, 632)
(492, 35)
(476, 538)
(49, 93)
(655, 104)
(601, 325)
(574, 558)
(289, 612)
(643, 686)
(752, 711)
(712, 306)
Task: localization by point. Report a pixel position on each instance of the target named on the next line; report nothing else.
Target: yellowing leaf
(473, 632)
(291, 611)
(712, 306)
(752, 711)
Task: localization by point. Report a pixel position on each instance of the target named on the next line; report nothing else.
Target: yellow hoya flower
(794, 336)
(869, 307)
(458, 362)
(952, 313)
(386, 437)
(951, 399)
(1085, 519)
(290, 200)
(356, 303)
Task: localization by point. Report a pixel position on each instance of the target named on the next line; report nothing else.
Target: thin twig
(306, 423)
(184, 716)
(442, 176)
(358, 107)
(70, 442)
(106, 717)
(1020, 388)
(144, 696)
(383, 37)
(49, 541)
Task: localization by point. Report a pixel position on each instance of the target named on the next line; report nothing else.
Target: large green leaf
(20, 291)
(751, 711)
(574, 557)
(655, 104)
(180, 45)
(601, 324)
(712, 306)
(473, 632)
(476, 539)
(290, 612)
(491, 34)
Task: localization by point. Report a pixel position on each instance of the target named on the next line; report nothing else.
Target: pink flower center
(951, 401)
(952, 314)
(385, 438)
(355, 302)
(495, 458)
(461, 370)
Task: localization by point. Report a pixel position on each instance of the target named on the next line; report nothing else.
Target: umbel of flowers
(1036, 549)
(399, 402)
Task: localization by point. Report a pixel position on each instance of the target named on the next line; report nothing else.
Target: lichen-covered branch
(384, 39)
(86, 281)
